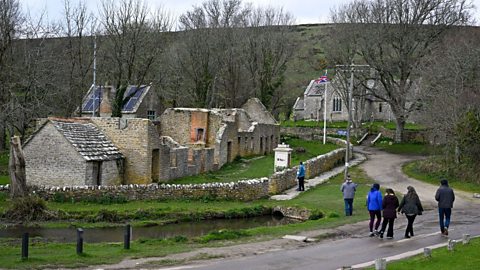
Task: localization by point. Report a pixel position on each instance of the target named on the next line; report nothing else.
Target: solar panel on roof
(93, 101)
(134, 93)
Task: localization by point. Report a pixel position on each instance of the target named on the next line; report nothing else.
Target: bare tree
(452, 90)
(268, 50)
(209, 53)
(10, 20)
(78, 28)
(132, 44)
(232, 51)
(394, 37)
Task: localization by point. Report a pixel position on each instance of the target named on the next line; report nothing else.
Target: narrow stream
(188, 229)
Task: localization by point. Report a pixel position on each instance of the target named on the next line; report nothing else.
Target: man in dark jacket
(445, 198)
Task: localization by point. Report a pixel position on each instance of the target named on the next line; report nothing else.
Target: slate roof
(299, 104)
(88, 140)
(315, 89)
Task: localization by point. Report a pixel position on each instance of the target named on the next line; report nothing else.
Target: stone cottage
(140, 102)
(72, 152)
(312, 104)
(183, 142)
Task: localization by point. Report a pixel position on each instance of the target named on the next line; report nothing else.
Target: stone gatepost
(283, 156)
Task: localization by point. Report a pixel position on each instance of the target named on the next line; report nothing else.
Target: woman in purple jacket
(374, 206)
(389, 204)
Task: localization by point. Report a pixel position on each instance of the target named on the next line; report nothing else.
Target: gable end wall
(52, 161)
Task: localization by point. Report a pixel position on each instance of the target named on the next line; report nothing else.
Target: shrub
(333, 215)
(316, 214)
(107, 215)
(29, 208)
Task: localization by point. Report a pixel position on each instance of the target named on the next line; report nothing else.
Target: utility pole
(349, 147)
(94, 90)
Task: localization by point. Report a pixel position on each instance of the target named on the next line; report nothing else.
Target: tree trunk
(400, 130)
(16, 168)
(3, 136)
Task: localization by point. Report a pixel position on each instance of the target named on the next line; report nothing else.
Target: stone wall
(136, 138)
(247, 190)
(243, 190)
(51, 160)
(409, 135)
(308, 133)
(286, 179)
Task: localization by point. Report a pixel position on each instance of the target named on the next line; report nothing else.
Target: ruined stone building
(181, 142)
(311, 105)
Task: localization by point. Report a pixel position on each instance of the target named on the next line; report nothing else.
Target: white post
(325, 115)
(466, 238)
(427, 252)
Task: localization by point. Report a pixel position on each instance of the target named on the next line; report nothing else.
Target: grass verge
(403, 148)
(463, 257)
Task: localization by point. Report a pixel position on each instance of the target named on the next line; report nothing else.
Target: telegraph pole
(349, 147)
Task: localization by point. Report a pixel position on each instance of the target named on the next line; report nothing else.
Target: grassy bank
(261, 166)
(463, 257)
(403, 148)
(417, 169)
(326, 199)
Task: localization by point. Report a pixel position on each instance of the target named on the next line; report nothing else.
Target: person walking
(389, 205)
(374, 206)
(301, 177)
(445, 198)
(411, 207)
(348, 188)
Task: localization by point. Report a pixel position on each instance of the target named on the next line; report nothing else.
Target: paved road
(354, 248)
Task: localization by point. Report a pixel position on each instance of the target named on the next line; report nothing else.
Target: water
(188, 229)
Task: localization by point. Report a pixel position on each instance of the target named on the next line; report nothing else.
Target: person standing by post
(301, 177)
(389, 205)
(445, 198)
(348, 188)
(374, 206)
(411, 207)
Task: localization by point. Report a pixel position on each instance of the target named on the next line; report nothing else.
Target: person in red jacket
(389, 205)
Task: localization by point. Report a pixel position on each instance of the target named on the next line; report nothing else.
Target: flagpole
(325, 113)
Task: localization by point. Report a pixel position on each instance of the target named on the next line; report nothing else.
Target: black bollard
(25, 246)
(79, 241)
(127, 236)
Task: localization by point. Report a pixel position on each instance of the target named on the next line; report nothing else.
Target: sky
(305, 11)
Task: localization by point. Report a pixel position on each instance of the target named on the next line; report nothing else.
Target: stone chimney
(108, 94)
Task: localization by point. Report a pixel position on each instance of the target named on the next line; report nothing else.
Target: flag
(322, 79)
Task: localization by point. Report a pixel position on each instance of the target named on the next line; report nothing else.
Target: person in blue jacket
(301, 177)
(374, 206)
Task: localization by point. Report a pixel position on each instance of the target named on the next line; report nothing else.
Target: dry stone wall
(247, 190)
